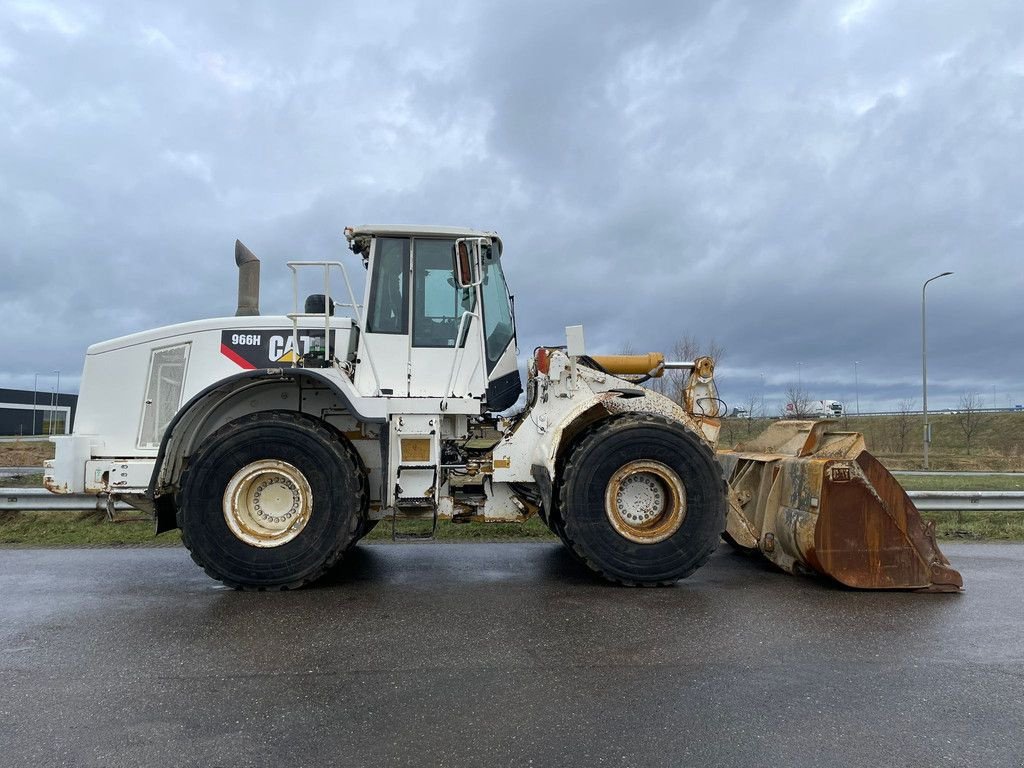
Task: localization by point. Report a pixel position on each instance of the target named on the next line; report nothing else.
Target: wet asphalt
(503, 654)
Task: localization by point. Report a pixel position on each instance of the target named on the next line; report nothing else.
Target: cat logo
(282, 348)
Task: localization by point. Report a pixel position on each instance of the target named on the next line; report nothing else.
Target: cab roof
(391, 230)
(366, 231)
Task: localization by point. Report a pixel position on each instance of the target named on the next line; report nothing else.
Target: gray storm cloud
(781, 177)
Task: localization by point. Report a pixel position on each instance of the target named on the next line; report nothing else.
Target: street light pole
(924, 367)
(53, 401)
(35, 388)
(58, 391)
(856, 385)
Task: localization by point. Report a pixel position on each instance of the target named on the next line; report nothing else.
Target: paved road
(483, 654)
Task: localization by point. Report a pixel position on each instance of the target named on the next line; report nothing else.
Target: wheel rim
(645, 501)
(267, 503)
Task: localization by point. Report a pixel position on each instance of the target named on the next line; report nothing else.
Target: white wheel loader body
(407, 392)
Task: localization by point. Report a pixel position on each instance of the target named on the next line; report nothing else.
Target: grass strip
(56, 529)
(961, 483)
(977, 526)
(449, 531)
(65, 529)
(71, 529)
(22, 481)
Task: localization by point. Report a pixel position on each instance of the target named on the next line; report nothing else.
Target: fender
(604, 404)
(176, 435)
(548, 426)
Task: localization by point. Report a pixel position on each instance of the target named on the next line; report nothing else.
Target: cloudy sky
(780, 177)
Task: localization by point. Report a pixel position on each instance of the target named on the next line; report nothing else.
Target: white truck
(815, 409)
(276, 442)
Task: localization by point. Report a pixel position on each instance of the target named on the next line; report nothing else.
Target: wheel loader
(276, 442)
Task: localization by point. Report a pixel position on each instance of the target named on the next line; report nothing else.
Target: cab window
(438, 302)
(498, 325)
(389, 307)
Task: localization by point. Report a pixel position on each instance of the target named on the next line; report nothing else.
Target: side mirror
(468, 272)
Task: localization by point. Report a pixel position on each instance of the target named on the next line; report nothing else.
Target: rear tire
(642, 500)
(271, 501)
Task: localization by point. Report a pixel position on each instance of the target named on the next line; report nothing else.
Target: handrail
(457, 360)
(356, 311)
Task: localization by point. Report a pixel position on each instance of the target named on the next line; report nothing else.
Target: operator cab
(438, 316)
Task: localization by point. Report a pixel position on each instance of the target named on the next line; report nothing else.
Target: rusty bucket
(812, 498)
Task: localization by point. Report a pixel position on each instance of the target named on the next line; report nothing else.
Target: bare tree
(798, 404)
(903, 422)
(754, 405)
(969, 417)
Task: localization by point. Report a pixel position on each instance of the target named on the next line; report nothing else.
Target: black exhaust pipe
(248, 281)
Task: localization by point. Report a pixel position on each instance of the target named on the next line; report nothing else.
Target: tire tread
(605, 430)
(317, 430)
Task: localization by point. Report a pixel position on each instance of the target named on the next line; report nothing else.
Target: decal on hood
(270, 347)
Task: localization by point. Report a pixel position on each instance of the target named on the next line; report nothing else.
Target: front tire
(642, 500)
(271, 501)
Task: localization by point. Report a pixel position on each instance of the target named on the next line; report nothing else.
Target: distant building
(50, 415)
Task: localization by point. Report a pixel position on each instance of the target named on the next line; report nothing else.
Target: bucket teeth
(812, 498)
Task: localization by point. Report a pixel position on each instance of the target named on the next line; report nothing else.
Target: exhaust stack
(248, 281)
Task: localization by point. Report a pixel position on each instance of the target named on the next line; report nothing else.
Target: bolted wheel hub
(267, 503)
(645, 501)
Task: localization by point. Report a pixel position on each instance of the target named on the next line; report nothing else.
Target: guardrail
(968, 501)
(41, 500)
(940, 412)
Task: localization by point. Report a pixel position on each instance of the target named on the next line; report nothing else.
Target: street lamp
(856, 385)
(924, 367)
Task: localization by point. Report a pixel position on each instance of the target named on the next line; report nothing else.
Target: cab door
(384, 348)
(446, 355)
